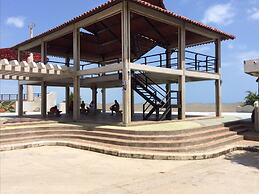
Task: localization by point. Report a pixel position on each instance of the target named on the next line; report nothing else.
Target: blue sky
(237, 17)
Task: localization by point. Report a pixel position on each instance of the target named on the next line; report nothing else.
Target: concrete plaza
(65, 170)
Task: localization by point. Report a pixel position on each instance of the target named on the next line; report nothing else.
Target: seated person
(91, 107)
(115, 107)
(82, 108)
(54, 111)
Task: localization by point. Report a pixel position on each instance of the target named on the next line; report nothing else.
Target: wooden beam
(69, 29)
(155, 29)
(170, 20)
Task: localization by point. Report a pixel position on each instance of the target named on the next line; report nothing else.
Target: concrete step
(52, 131)
(201, 147)
(131, 152)
(124, 142)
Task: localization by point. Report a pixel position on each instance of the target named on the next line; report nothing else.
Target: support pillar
(20, 91)
(67, 98)
(76, 83)
(20, 100)
(67, 88)
(43, 100)
(76, 99)
(168, 85)
(30, 96)
(126, 75)
(218, 82)
(94, 97)
(181, 79)
(256, 116)
(132, 103)
(103, 100)
(43, 84)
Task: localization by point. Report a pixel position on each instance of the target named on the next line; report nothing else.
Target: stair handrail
(144, 82)
(152, 81)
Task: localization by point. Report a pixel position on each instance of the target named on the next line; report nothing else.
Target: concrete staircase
(145, 143)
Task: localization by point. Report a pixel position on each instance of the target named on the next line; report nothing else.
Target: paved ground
(70, 171)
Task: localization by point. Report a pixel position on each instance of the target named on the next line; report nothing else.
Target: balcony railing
(193, 61)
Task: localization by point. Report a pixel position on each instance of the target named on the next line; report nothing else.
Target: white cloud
(253, 14)
(237, 59)
(222, 14)
(17, 21)
(248, 55)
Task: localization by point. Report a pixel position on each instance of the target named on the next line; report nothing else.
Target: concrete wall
(35, 105)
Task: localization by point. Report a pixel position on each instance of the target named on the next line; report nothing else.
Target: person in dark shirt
(115, 107)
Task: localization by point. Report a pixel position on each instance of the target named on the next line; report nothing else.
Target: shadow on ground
(249, 159)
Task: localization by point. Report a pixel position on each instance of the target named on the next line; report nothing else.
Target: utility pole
(31, 26)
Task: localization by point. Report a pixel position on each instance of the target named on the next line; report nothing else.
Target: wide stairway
(157, 99)
(120, 142)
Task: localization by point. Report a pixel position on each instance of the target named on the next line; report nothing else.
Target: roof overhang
(152, 25)
(252, 67)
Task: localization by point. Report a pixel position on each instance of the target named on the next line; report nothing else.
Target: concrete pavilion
(252, 67)
(105, 48)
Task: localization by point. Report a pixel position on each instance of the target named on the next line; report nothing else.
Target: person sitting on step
(54, 111)
(116, 107)
(82, 108)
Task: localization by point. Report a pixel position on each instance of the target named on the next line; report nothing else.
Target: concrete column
(94, 97)
(256, 116)
(132, 103)
(67, 88)
(181, 79)
(103, 100)
(126, 77)
(76, 57)
(43, 99)
(168, 84)
(218, 81)
(20, 90)
(67, 98)
(20, 100)
(43, 84)
(76, 99)
(30, 96)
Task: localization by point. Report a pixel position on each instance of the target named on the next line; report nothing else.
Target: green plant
(251, 98)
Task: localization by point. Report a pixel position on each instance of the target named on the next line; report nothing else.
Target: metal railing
(193, 61)
(14, 97)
